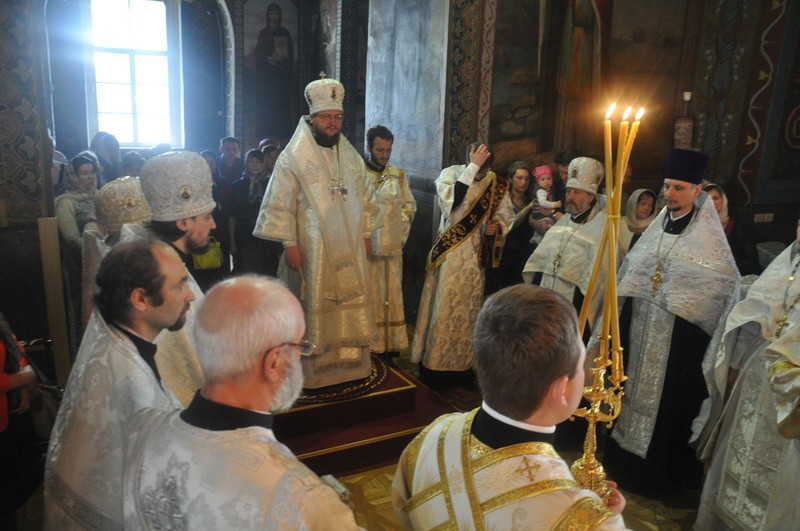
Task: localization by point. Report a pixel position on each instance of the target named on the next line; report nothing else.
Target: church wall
(25, 152)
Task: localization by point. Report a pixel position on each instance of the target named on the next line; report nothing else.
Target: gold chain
(657, 278)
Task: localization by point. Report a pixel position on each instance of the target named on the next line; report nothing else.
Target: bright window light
(136, 83)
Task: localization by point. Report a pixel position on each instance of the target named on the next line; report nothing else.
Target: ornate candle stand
(605, 402)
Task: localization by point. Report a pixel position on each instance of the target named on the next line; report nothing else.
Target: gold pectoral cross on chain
(657, 278)
(556, 263)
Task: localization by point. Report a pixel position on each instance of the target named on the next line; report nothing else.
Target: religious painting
(516, 81)
(326, 35)
(270, 71)
(646, 37)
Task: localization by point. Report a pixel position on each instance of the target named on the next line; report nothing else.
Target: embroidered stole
(460, 231)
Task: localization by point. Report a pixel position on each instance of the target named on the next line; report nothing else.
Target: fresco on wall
(325, 23)
(515, 115)
(646, 37)
(270, 79)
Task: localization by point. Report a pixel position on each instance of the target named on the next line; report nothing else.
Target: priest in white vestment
(476, 213)
(750, 453)
(143, 290)
(564, 258)
(495, 467)
(119, 202)
(178, 188)
(316, 205)
(390, 193)
(217, 464)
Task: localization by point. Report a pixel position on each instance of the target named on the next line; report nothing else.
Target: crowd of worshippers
(166, 417)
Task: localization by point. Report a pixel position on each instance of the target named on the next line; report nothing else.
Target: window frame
(174, 73)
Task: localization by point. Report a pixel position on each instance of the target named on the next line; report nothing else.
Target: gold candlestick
(605, 402)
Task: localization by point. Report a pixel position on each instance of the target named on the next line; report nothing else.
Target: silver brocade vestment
(178, 476)
(109, 383)
(700, 285)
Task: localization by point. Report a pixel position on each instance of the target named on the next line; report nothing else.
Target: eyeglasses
(305, 347)
(330, 117)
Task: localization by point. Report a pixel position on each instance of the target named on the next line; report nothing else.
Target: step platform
(342, 436)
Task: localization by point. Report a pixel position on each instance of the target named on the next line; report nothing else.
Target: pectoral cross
(657, 278)
(527, 468)
(556, 263)
(782, 323)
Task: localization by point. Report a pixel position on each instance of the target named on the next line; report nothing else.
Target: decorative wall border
(25, 151)
(463, 52)
(484, 110)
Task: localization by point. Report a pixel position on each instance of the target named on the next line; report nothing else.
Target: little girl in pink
(544, 188)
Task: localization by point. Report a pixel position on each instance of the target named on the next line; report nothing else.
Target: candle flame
(639, 114)
(610, 110)
(627, 113)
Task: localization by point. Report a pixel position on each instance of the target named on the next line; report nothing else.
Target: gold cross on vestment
(527, 468)
(782, 323)
(657, 278)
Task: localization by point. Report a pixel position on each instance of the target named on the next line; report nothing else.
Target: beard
(197, 248)
(290, 389)
(177, 325)
(325, 140)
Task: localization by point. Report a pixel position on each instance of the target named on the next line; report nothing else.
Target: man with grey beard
(217, 463)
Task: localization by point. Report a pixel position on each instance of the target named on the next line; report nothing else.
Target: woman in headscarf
(640, 211)
(743, 248)
(74, 210)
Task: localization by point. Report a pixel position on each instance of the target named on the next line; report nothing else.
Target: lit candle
(623, 137)
(607, 139)
(632, 136)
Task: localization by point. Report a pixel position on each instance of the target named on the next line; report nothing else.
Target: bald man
(248, 331)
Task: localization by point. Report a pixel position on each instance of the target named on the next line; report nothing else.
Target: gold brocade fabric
(452, 293)
(448, 480)
(298, 209)
(390, 194)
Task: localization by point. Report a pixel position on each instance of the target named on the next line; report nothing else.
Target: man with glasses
(316, 206)
(217, 463)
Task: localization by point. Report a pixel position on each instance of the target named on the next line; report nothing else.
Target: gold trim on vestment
(391, 323)
(469, 479)
(586, 513)
(422, 496)
(528, 491)
(517, 450)
(448, 525)
(448, 501)
(412, 455)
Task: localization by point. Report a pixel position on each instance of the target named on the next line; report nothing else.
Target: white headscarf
(630, 210)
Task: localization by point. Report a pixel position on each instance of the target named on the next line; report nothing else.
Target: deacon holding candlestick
(680, 281)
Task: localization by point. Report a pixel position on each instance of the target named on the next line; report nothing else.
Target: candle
(607, 139)
(623, 137)
(632, 136)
